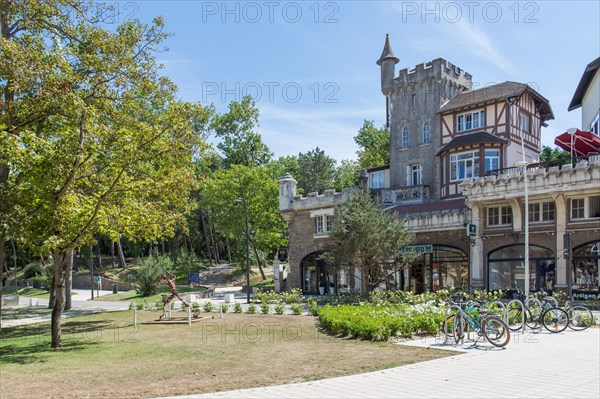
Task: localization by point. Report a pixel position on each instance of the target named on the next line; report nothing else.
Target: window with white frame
(499, 216)
(595, 125)
(405, 138)
(464, 166)
(323, 224)
(470, 120)
(377, 179)
(426, 133)
(585, 208)
(413, 175)
(541, 211)
(492, 160)
(524, 122)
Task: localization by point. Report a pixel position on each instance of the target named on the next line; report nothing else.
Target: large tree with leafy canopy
(221, 194)
(316, 171)
(241, 144)
(366, 237)
(374, 145)
(93, 139)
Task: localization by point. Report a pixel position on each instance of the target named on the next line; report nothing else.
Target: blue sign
(193, 278)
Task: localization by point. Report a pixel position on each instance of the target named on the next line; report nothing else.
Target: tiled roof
(387, 53)
(470, 139)
(456, 204)
(584, 83)
(496, 92)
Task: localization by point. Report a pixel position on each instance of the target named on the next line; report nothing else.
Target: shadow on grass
(69, 328)
(37, 350)
(24, 312)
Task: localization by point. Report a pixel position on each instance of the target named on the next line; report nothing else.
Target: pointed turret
(387, 62)
(387, 53)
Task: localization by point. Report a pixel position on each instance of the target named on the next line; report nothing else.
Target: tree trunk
(162, 247)
(99, 256)
(121, 256)
(215, 244)
(262, 272)
(68, 279)
(206, 237)
(228, 250)
(112, 254)
(59, 290)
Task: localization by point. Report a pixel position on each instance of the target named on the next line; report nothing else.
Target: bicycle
(539, 313)
(490, 327)
(580, 317)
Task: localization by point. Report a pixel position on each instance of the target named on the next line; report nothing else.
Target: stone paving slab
(533, 365)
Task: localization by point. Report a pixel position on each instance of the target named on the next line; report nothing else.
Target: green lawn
(103, 355)
(28, 292)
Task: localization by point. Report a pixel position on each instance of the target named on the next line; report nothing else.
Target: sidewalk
(542, 365)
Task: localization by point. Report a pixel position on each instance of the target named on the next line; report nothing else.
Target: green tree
(346, 174)
(374, 144)
(240, 144)
(365, 236)
(316, 171)
(94, 140)
(282, 165)
(554, 155)
(222, 192)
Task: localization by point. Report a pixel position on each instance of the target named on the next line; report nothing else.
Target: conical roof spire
(388, 53)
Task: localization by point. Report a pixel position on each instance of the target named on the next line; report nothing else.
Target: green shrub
(252, 308)
(208, 306)
(34, 269)
(265, 308)
(293, 295)
(187, 262)
(279, 308)
(224, 307)
(266, 296)
(237, 308)
(196, 306)
(296, 309)
(140, 305)
(313, 308)
(149, 270)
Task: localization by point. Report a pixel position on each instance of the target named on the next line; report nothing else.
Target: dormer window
(470, 120)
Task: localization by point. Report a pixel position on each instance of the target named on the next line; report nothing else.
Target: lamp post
(523, 166)
(247, 234)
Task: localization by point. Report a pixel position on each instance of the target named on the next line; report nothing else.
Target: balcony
(403, 194)
(534, 167)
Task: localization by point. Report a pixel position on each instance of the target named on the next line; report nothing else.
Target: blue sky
(313, 63)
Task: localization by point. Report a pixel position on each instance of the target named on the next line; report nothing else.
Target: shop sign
(418, 249)
(586, 295)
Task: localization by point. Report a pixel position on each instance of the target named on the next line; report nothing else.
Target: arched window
(405, 138)
(506, 269)
(586, 259)
(426, 133)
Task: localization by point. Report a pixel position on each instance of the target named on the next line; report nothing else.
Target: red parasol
(578, 143)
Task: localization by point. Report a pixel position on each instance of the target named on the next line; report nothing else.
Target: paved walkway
(542, 365)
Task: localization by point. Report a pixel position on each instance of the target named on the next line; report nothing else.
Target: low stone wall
(84, 281)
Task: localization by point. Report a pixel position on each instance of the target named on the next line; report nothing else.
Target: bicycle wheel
(555, 320)
(448, 328)
(580, 318)
(515, 318)
(459, 328)
(533, 313)
(495, 331)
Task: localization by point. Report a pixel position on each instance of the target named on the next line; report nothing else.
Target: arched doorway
(506, 269)
(586, 262)
(315, 275)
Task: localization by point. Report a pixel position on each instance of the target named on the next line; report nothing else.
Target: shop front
(586, 262)
(506, 269)
(436, 267)
(317, 278)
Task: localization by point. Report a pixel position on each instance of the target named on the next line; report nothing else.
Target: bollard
(189, 309)
(135, 316)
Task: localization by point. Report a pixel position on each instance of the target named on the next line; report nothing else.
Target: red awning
(578, 143)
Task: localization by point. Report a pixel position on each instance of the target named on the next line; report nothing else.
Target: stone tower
(413, 99)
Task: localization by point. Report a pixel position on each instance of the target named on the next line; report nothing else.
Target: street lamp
(523, 166)
(247, 234)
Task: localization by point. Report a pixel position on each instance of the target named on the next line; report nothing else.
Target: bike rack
(522, 306)
(503, 306)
